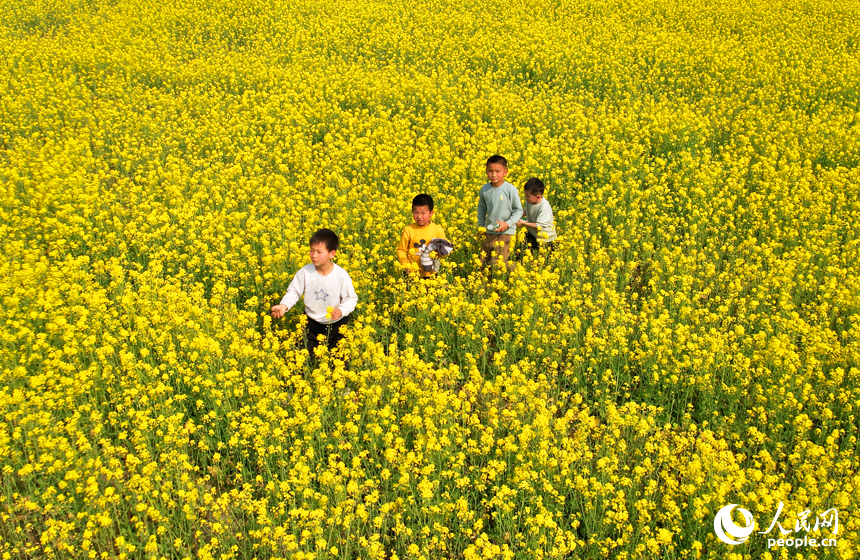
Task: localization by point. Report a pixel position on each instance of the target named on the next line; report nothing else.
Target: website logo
(807, 531)
(728, 531)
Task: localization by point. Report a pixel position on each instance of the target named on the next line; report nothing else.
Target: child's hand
(278, 311)
(501, 227)
(520, 222)
(336, 314)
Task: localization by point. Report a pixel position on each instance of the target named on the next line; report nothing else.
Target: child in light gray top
(539, 223)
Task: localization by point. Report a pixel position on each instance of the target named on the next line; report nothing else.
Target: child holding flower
(327, 290)
(499, 208)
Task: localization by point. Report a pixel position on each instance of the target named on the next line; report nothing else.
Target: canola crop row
(693, 343)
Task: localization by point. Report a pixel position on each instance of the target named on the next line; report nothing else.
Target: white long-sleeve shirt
(541, 214)
(335, 289)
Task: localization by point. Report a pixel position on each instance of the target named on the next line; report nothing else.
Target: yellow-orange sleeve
(403, 248)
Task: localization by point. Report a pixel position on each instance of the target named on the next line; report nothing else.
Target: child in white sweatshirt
(327, 290)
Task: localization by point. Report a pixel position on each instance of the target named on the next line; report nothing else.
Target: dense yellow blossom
(693, 342)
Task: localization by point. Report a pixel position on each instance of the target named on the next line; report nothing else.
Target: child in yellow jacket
(418, 235)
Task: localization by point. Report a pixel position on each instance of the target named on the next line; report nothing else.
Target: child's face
(422, 215)
(320, 255)
(496, 173)
(533, 198)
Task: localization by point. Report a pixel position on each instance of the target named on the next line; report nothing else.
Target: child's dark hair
(534, 186)
(327, 237)
(497, 159)
(423, 200)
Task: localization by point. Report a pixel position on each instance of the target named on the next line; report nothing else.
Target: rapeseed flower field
(693, 342)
